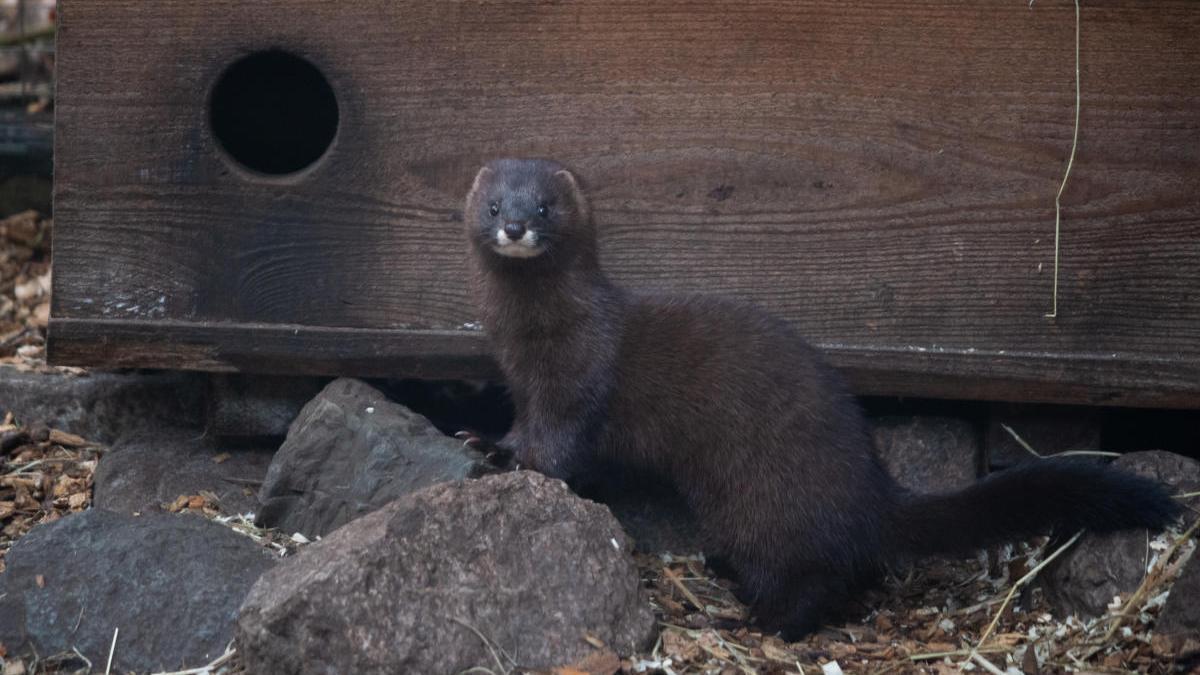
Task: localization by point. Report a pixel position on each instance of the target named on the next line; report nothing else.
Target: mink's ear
(577, 194)
(481, 179)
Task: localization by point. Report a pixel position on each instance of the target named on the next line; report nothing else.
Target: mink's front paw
(496, 455)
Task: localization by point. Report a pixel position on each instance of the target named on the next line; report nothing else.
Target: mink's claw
(494, 454)
(498, 456)
(471, 440)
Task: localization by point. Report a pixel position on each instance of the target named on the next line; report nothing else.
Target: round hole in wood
(273, 112)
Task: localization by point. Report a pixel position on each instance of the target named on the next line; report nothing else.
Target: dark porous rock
(145, 471)
(1084, 580)
(171, 584)
(351, 451)
(251, 407)
(513, 559)
(1178, 628)
(1048, 429)
(103, 407)
(928, 454)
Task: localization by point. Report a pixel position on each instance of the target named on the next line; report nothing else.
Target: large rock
(450, 578)
(350, 452)
(928, 454)
(143, 472)
(1178, 629)
(171, 584)
(100, 406)
(1085, 579)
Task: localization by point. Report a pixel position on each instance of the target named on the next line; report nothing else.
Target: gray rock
(928, 454)
(1179, 623)
(417, 587)
(1047, 429)
(1085, 579)
(143, 472)
(350, 452)
(100, 406)
(171, 584)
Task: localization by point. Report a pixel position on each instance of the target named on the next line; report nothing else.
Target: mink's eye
(543, 210)
(494, 209)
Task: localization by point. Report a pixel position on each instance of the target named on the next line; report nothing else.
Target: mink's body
(759, 435)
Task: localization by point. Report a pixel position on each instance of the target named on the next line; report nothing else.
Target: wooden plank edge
(918, 372)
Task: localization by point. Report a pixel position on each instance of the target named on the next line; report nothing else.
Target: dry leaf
(603, 662)
(221, 458)
(677, 646)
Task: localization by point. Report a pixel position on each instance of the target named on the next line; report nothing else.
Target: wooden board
(881, 173)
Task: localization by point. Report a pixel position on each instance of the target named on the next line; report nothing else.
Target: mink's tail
(1063, 495)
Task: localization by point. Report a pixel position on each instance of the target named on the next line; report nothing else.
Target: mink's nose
(514, 230)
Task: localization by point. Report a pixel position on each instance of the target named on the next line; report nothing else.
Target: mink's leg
(797, 605)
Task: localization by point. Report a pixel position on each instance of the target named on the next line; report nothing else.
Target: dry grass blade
(112, 650)
(209, 668)
(1018, 584)
(1070, 453)
(1150, 580)
(1066, 174)
(495, 649)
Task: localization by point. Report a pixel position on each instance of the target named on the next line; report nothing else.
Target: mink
(757, 432)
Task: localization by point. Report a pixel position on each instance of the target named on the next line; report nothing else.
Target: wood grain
(881, 173)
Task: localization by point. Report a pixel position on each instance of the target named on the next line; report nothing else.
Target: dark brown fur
(759, 435)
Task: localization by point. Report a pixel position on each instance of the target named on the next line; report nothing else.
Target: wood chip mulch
(24, 290)
(929, 621)
(45, 474)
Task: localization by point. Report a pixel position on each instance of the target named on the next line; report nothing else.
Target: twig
(1067, 174)
(674, 578)
(929, 656)
(987, 665)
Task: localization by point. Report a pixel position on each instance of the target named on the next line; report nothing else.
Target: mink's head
(529, 210)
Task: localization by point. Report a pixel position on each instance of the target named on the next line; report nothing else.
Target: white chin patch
(525, 247)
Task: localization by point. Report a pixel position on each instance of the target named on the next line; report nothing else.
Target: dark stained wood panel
(881, 173)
